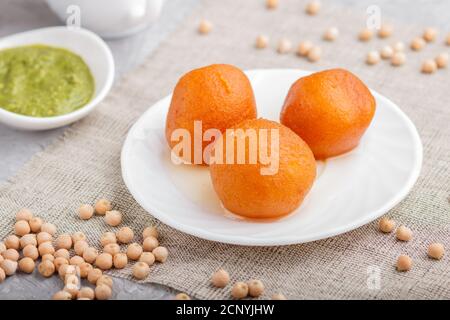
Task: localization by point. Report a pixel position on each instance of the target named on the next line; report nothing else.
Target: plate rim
(245, 241)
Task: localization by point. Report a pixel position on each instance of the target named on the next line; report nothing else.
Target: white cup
(109, 19)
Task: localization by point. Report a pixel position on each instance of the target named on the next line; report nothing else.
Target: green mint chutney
(43, 81)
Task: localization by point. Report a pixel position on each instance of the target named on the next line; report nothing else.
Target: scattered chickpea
(87, 293)
(24, 214)
(85, 211)
(134, 251)
(385, 31)
(404, 263)
(387, 52)
(104, 261)
(46, 268)
(72, 290)
(21, 228)
(107, 238)
(102, 206)
(182, 296)
(62, 253)
(271, 4)
(11, 254)
(120, 260)
(49, 228)
(205, 27)
(76, 261)
(373, 57)
(80, 246)
(44, 237)
(9, 266)
(62, 295)
(417, 44)
(398, 46)
(255, 288)
(113, 218)
(404, 233)
(84, 269)
(78, 236)
(2, 247)
(365, 34)
(28, 239)
(161, 254)
(58, 262)
(62, 271)
(278, 296)
(141, 270)
(429, 66)
(150, 243)
(313, 7)
(48, 257)
(103, 292)
(386, 225)
(90, 254)
(2, 274)
(304, 47)
(442, 60)
(105, 280)
(94, 275)
(430, 34)
(398, 59)
(284, 46)
(262, 42)
(35, 224)
(220, 278)
(26, 265)
(112, 249)
(63, 241)
(46, 248)
(436, 251)
(12, 242)
(147, 257)
(314, 54)
(239, 290)
(125, 235)
(331, 34)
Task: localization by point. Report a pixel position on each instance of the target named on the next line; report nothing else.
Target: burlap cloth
(85, 163)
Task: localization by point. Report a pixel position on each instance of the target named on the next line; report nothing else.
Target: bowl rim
(61, 120)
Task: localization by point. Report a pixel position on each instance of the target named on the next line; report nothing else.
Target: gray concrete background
(16, 147)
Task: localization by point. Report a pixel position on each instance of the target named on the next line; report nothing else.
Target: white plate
(350, 191)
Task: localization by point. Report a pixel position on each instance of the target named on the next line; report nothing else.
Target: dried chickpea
(134, 251)
(239, 290)
(141, 270)
(386, 52)
(314, 54)
(12, 242)
(278, 296)
(304, 47)
(103, 292)
(35, 224)
(21, 228)
(147, 257)
(271, 4)
(430, 34)
(90, 254)
(84, 269)
(26, 265)
(101, 206)
(220, 278)
(150, 243)
(2, 274)
(436, 251)
(150, 232)
(63, 253)
(63, 241)
(11, 254)
(42, 237)
(373, 57)
(442, 60)
(113, 218)
(62, 295)
(104, 261)
(429, 66)
(398, 59)
(262, 42)
(46, 268)
(9, 266)
(2, 247)
(398, 46)
(205, 27)
(386, 225)
(331, 34)
(80, 246)
(385, 31)
(313, 7)
(125, 235)
(24, 214)
(78, 236)
(105, 280)
(58, 262)
(86, 293)
(85, 211)
(49, 228)
(284, 46)
(404, 233)
(107, 238)
(48, 257)
(72, 290)
(28, 239)
(46, 248)
(182, 296)
(255, 288)
(71, 279)
(120, 260)
(112, 249)
(404, 263)
(161, 254)
(76, 261)
(417, 44)
(94, 275)
(62, 271)
(365, 34)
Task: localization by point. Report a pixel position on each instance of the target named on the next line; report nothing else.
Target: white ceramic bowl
(86, 44)
(350, 190)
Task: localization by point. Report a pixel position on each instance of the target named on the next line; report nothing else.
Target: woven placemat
(84, 164)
